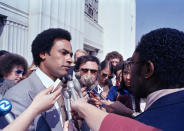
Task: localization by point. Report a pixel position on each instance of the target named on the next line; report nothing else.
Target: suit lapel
(37, 85)
(51, 116)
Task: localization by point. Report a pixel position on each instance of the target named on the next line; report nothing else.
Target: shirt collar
(158, 94)
(45, 79)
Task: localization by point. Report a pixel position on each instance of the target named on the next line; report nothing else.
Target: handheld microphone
(96, 90)
(78, 87)
(67, 96)
(5, 108)
(70, 84)
(77, 75)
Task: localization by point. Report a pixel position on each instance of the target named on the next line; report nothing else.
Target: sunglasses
(85, 70)
(19, 72)
(106, 75)
(126, 72)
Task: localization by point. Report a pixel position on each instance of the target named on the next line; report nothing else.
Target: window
(90, 12)
(91, 9)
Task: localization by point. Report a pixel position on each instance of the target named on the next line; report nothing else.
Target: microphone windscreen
(69, 77)
(5, 106)
(77, 87)
(5, 109)
(77, 75)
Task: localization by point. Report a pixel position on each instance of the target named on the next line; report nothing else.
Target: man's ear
(149, 70)
(42, 56)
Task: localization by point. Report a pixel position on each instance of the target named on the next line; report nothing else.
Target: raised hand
(45, 100)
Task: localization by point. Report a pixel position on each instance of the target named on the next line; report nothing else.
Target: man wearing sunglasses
(88, 66)
(52, 54)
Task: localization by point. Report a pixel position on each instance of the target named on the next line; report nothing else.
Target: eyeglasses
(85, 70)
(106, 75)
(19, 72)
(115, 62)
(131, 62)
(126, 72)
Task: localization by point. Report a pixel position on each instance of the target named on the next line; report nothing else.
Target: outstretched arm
(43, 101)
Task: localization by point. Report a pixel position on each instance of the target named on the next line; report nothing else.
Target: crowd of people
(112, 90)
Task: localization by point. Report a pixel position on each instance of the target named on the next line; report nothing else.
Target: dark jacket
(167, 113)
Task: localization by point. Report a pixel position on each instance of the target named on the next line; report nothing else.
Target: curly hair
(114, 54)
(45, 40)
(3, 52)
(9, 61)
(165, 48)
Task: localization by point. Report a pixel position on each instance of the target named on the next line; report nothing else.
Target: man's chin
(62, 74)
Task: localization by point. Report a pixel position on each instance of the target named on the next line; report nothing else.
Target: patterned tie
(61, 104)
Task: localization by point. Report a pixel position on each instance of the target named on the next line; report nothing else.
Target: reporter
(42, 102)
(13, 67)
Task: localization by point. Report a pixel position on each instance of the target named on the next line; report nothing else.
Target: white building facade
(88, 21)
(118, 18)
(22, 20)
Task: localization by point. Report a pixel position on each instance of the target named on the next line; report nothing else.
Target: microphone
(77, 87)
(5, 108)
(70, 84)
(77, 75)
(67, 96)
(96, 90)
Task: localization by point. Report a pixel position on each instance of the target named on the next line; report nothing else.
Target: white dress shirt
(47, 82)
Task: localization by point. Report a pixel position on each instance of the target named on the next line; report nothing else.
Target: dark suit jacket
(21, 96)
(167, 113)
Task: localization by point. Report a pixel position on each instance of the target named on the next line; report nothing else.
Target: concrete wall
(115, 29)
